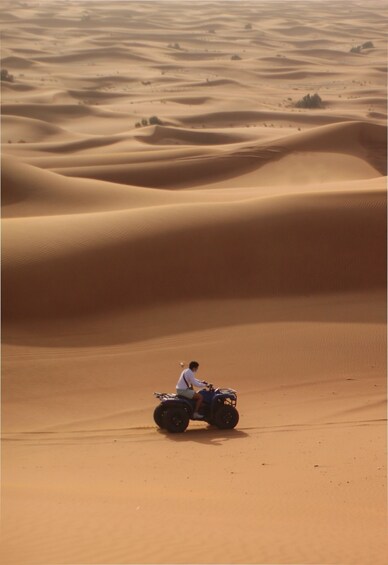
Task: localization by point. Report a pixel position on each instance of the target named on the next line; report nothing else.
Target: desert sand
(237, 229)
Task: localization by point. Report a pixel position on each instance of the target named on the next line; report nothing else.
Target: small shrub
(6, 76)
(236, 58)
(248, 26)
(366, 45)
(154, 120)
(308, 101)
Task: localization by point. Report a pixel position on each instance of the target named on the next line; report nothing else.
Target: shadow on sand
(208, 436)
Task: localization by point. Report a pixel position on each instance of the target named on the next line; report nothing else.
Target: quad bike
(218, 409)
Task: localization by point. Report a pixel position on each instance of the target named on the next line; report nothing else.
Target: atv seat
(184, 398)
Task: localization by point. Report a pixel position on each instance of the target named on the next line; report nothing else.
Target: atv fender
(182, 402)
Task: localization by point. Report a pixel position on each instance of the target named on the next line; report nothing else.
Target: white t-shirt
(189, 375)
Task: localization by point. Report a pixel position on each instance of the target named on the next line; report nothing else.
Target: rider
(184, 387)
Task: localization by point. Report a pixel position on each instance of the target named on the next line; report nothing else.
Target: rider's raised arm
(196, 382)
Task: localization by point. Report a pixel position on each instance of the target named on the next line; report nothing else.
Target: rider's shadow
(208, 436)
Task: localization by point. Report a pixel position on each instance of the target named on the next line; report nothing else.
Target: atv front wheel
(158, 415)
(226, 418)
(175, 420)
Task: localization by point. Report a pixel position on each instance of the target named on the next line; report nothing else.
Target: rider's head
(193, 365)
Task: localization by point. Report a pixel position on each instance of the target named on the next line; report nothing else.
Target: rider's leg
(199, 399)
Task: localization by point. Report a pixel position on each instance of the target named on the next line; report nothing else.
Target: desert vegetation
(359, 48)
(152, 121)
(308, 101)
(4, 75)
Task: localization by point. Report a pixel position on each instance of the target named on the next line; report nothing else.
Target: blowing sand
(238, 230)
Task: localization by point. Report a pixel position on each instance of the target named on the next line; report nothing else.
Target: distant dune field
(165, 197)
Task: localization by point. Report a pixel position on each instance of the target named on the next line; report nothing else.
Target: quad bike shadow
(209, 435)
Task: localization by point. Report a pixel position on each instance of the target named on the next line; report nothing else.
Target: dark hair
(193, 365)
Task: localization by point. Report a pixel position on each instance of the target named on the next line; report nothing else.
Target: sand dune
(37, 112)
(166, 135)
(85, 54)
(191, 100)
(229, 118)
(16, 62)
(54, 113)
(54, 249)
(364, 143)
(46, 193)
(30, 130)
(164, 198)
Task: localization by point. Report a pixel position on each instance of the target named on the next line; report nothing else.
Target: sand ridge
(165, 199)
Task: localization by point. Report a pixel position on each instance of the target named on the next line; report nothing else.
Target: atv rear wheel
(175, 419)
(226, 418)
(158, 415)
